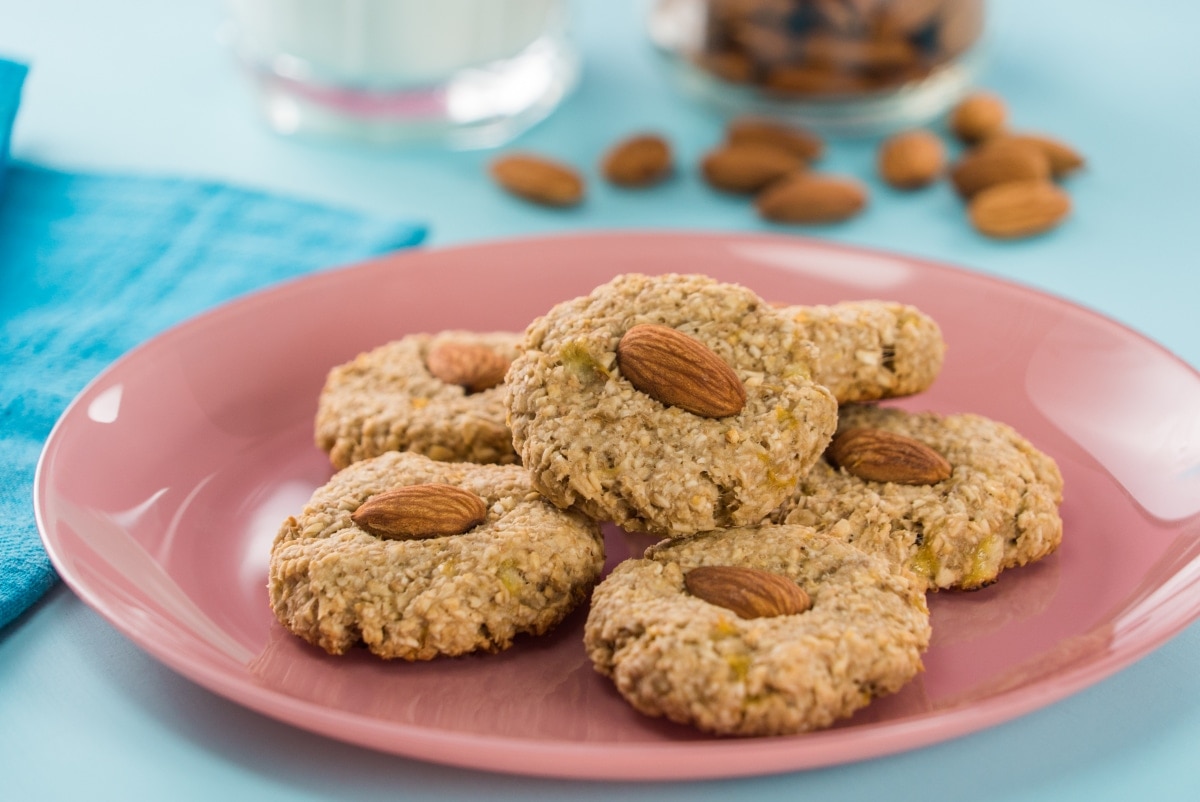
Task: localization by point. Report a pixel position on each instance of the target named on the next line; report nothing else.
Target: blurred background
(238, 95)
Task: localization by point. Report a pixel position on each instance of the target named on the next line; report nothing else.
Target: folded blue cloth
(91, 265)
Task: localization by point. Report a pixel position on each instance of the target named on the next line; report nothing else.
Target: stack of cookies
(797, 523)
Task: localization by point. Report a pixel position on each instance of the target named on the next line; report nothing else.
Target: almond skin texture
(990, 165)
(748, 592)
(538, 179)
(1019, 209)
(747, 168)
(679, 370)
(912, 159)
(474, 367)
(1063, 158)
(878, 455)
(638, 161)
(416, 512)
(812, 199)
(757, 131)
(978, 117)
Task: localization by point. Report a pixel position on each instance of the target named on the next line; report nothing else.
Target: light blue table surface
(145, 86)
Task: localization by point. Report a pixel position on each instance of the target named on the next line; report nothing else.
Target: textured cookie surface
(591, 439)
(867, 350)
(387, 400)
(520, 571)
(998, 509)
(673, 654)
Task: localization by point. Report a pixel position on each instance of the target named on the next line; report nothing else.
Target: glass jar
(841, 67)
(467, 73)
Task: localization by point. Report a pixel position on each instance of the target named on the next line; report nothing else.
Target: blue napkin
(92, 265)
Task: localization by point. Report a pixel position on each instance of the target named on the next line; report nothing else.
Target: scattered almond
(472, 366)
(878, 455)
(808, 198)
(416, 512)
(978, 117)
(538, 179)
(760, 131)
(912, 159)
(638, 161)
(1019, 209)
(746, 168)
(678, 370)
(990, 165)
(748, 592)
(1063, 158)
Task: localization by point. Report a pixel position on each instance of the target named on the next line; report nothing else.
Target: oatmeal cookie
(998, 509)
(673, 654)
(522, 570)
(868, 350)
(388, 399)
(592, 439)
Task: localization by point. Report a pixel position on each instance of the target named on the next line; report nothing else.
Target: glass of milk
(465, 73)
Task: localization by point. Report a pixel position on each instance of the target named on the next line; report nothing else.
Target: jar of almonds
(842, 67)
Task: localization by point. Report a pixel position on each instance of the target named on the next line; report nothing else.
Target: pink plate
(160, 489)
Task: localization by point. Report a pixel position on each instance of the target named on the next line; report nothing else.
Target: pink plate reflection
(163, 484)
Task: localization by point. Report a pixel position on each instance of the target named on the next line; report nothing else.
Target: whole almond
(817, 81)
(800, 142)
(638, 161)
(988, 166)
(912, 159)
(808, 198)
(978, 117)
(472, 366)
(730, 65)
(748, 592)
(911, 16)
(1063, 158)
(678, 370)
(878, 455)
(538, 179)
(416, 512)
(873, 55)
(746, 168)
(1019, 209)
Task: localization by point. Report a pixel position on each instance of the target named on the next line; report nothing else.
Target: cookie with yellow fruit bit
(997, 508)
(343, 573)
(441, 395)
(668, 404)
(673, 647)
(872, 349)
